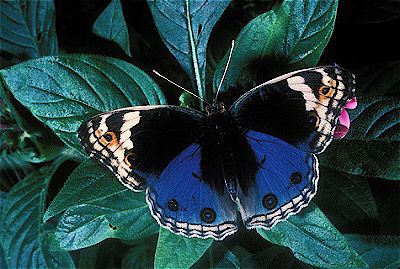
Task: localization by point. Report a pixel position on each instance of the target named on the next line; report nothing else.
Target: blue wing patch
(285, 182)
(182, 202)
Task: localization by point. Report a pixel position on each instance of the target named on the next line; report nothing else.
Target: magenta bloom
(342, 127)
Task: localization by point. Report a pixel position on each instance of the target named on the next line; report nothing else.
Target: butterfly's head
(215, 108)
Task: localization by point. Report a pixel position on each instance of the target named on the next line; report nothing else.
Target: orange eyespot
(108, 138)
(327, 91)
(130, 159)
(313, 120)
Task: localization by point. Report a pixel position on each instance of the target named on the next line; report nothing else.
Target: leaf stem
(194, 56)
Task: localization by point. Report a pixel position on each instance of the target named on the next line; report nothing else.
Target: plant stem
(194, 56)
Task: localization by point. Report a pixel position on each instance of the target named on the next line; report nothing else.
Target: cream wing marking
(111, 151)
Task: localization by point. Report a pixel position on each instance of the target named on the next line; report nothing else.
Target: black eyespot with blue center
(173, 205)
(296, 177)
(270, 201)
(313, 120)
(325, 90)
(208, 215)
(108, 136)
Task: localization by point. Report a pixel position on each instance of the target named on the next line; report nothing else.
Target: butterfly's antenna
(180, 87)
(226, 69)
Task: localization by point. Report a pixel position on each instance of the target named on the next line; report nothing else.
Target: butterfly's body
(198, 168)
(224, 142)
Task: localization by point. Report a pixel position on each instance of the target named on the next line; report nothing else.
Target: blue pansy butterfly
(200, 170)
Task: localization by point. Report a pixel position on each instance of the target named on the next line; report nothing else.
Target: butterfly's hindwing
(185, 204)
(285, 182)
(301, 108)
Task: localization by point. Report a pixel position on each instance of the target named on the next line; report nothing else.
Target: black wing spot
(173, 205)
(208, 215)
(296, 177)
(270, 201)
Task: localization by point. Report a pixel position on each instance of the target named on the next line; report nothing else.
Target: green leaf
(187, 100)
(381, 78)
(32, 132)
(3, 199)
(12, 169)
(313, 240)
(97, 207)
(91, 181)
(376, 118)
(218, 256)
(371, 148)
(28, 28)
(371, 158)
(123, 216)
(23, 238)
(229, 261)
(140, 256)
(64, 91)
(88, 256)
(3, 260)
(347, 201)
(177, 251)
(272, 257)
(378, 251)
(176, 30)
(291, 36)
(111, 25)
(107, 254)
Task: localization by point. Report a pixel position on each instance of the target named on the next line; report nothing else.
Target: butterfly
(203, 171)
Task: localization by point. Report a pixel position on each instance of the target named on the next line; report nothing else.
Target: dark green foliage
(371, 148)
(52, 216)
(29, 28)
(24, 240)
(111, 25)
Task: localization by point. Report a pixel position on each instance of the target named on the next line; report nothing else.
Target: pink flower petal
(344, 119)
(343, 126)
(340, 131)
(352, 104)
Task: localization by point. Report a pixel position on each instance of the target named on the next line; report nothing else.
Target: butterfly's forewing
(285, 182)
(301, 108)
(138, 143)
